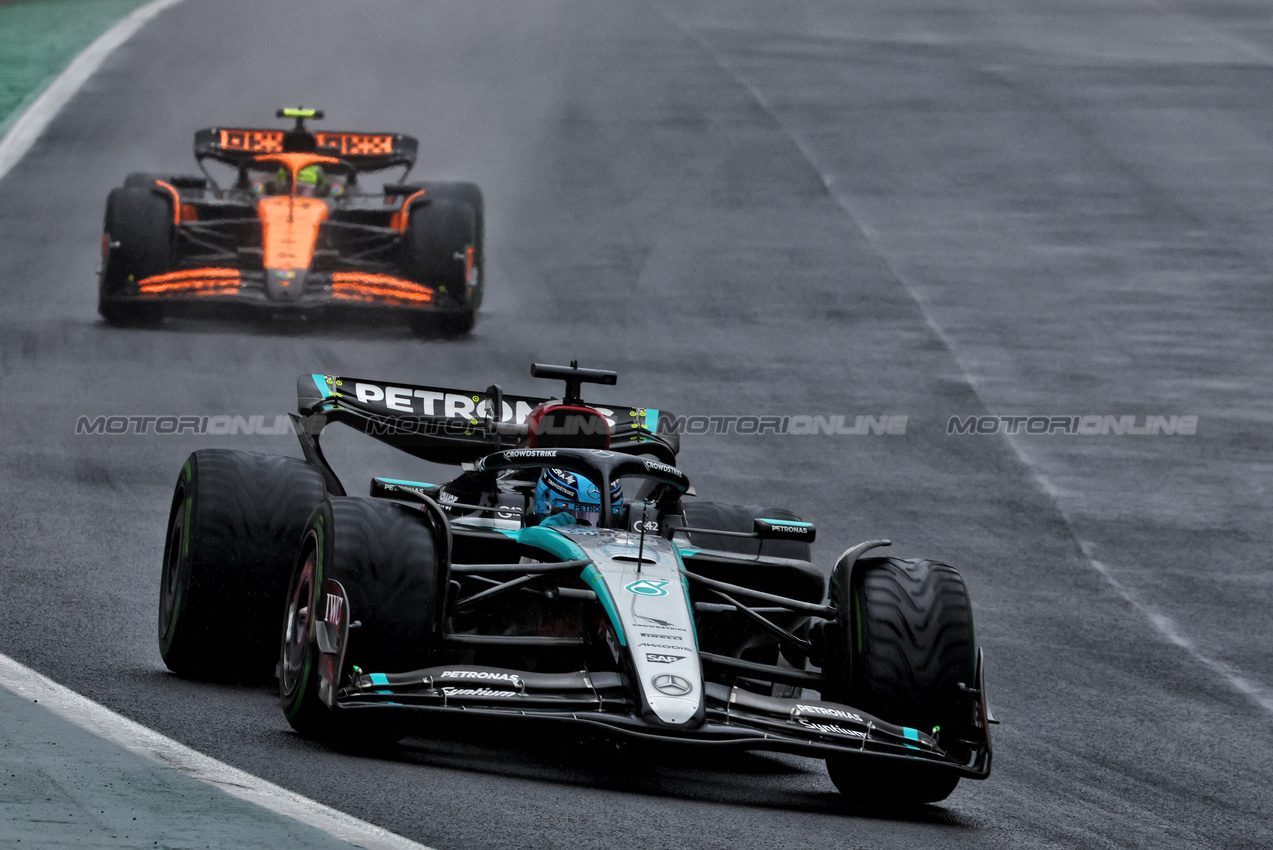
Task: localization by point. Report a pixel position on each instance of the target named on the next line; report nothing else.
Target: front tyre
(386, 558)
(904, 651)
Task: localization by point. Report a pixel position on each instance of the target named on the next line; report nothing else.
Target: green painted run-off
(39, 38)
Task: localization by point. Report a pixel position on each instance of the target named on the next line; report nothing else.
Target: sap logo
(662, 659)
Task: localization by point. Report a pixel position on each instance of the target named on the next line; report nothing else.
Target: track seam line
(1167, 629)
(132, 736)
(28, 126)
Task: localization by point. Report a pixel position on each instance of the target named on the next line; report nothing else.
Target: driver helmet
(562, 492)
(309, 181)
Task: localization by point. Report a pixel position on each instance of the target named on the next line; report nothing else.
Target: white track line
(31, 123)
(103, 722)
(80, 710)
(1166, 627)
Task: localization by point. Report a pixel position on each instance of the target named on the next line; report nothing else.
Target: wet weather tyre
(386, 558)
(142, 180)
(468, 193)
(905, 652)
(136, 242)
(235, 522)
(441, 250)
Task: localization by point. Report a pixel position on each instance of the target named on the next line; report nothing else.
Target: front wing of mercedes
(735, 718)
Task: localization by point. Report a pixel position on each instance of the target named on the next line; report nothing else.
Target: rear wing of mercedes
(453, 426)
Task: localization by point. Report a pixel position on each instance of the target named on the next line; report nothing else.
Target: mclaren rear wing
(445, 425)
(238, 146)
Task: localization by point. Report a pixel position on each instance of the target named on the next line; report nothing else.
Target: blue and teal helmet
(561, 491)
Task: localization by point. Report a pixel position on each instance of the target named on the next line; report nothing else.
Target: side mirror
(785, 529)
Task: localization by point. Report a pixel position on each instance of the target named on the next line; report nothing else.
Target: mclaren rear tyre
(233, 529)
(386, 558)
(905, 651)
(440, 250)
(136, 239)
(142, 180)
(470, 194)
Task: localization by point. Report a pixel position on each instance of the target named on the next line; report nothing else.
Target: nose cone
(284, 284)
(674, 711)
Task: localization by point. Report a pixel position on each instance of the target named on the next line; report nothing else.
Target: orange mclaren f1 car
(294, 232)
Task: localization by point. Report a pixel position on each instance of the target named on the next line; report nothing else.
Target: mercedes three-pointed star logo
(673, 686)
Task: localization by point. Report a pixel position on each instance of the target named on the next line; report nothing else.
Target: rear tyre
(142, 180)
(233, 529)
(468, 193)
(904, 645)
(136, 239)
(385, 556)
(442, 248)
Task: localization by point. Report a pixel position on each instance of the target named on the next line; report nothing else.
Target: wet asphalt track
(914, 208)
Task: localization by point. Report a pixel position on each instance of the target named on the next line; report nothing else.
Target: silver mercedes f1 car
(568, 575)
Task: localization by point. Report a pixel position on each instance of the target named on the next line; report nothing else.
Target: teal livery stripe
(685, 588)
(405, 483)
(593, 577)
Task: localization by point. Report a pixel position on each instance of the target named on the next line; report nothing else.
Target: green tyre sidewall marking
(307, 667)
(857, 617)
(174, 621)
